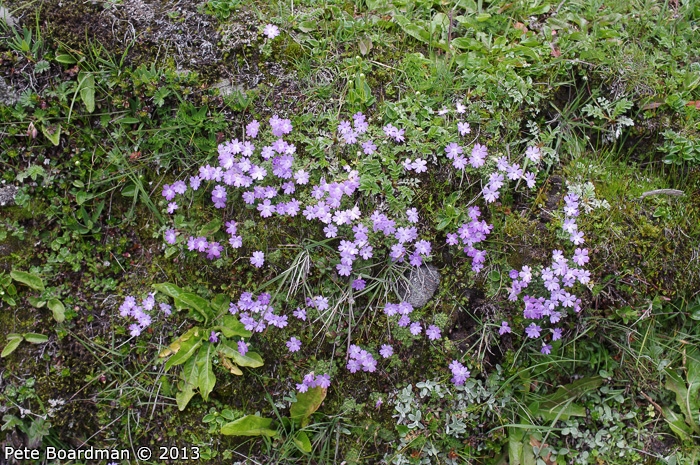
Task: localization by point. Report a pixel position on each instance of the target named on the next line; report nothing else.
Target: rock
(8, 95)
(7, 195)
(7, 17)
(421, 286)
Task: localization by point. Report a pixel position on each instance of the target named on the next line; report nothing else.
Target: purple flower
(323, 381)
(546, 349)
(359, 284)
(581, 257)
(463, 129)
(253, 127)
(271, 31)
(302, 388)
(368, 147)
(419, 166)
(179, 187)
(300, 313)
(213, 338)
(168, 192)
(134, 330)
(416, 328)
(293, 344)
(577, 238)
(386, 351)
(172, 206)
(433, 333)
(459, 373)
(504, 328)
(533, 331)
(214, 250)
(257, 259)
(170, 236)
(242, 347)
(533, 153)
(453, 150)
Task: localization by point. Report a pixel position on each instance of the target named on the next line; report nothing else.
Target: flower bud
(31, 131)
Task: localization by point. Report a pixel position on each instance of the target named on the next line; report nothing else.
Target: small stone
(7, 196)
(8, 95)
(422, 283)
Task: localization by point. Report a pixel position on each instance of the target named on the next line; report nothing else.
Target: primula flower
(577, 238)
(257, 259)
(359, 284)
(533, 153)
(460, 108)
(416, 328)
(463, 129)
(242, 347)
(546, 349)
(368, 147)
(300, 313)
(533, 331)
(170, 236)
(172, 206)
(459, 373)
(213, 338)
(253, 127)
(293, 344)
(433, 333)
(386, 351)
(556, 334)
(419, 166)
(412, 215)
(168, 192)
(504, 328)
(271, 31)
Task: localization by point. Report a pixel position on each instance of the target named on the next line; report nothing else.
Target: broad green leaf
(210, 228)
(220, 303)
(676, 423)
(250, 359)
(87, 90)
(301, 440)
(232, 327)
(128, 120)
(129, 190)
(10, 347)
(190, 373)
(174, 347)
(307, 403)
(183, 397)
(192, 300)
(168, 289)
(65, 59)
(249, 425)
(187, 350)
(207, 379)
(35, 338)
(28, 279)
(307, 26)
(58, 309)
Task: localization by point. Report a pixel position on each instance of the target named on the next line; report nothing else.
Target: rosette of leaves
(299, 417)
(196, 352)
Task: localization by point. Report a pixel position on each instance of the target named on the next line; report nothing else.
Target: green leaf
(307, 403)
(187, 350)
(206, 379)
(52, 133)
(175, 346)
(307, 26)
(190, 373)
(35, 338)
(65, 59)
(250, 359)
(10, 347)
(249, 425)
(128, 120)
(58, 309)
(28, 279)
(220, 303)
(301, 440)
(168, 289)
(192, 300)
(81, 197)
(232, 327)
(87, 90)
(210, 228)
(129, 190)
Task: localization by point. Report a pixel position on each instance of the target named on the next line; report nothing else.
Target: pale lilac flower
(577, 238)
(134, 330)
(257, 259)
(323, 381)
(386, 351)
(460, 108)
(302, 388)
(504, 328)
(300, 313)
(556, 334)
(419, 166)
(453, 150)
(168, 192)
(236, 241)
(242, 347)
(546, 349)
(214, 250)
(443, 111)
(293, 344)
(581, 257)
(213, 338)
(368, 147)
(252, 129)
(195, 182)
(416, 328)
(433, 333)
(463, 129)
(170, 236)
(359, 284)
(533, 153)
(412, 215)
(533, 331)
(530, 180)
(271, 31)
(179, 187)
(172, 206)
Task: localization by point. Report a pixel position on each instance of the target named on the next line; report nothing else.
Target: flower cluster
(256, 313)
(470, 234)
(141, 313)
(360, 359)
(459, 373)
(312, 381)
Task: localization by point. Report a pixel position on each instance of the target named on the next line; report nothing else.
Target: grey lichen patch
(6, 17)
(421, 285)
(7, 195)
(8, 95)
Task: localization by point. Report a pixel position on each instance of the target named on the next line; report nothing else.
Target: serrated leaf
(249, 425)
(29, 279)
(307, 403)
(187, 350)
(206, 379)
(35, 338)
(192, 300)
(87, 90)
(58, 309)
(10, 347)
(168, 289)
(301, 440)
